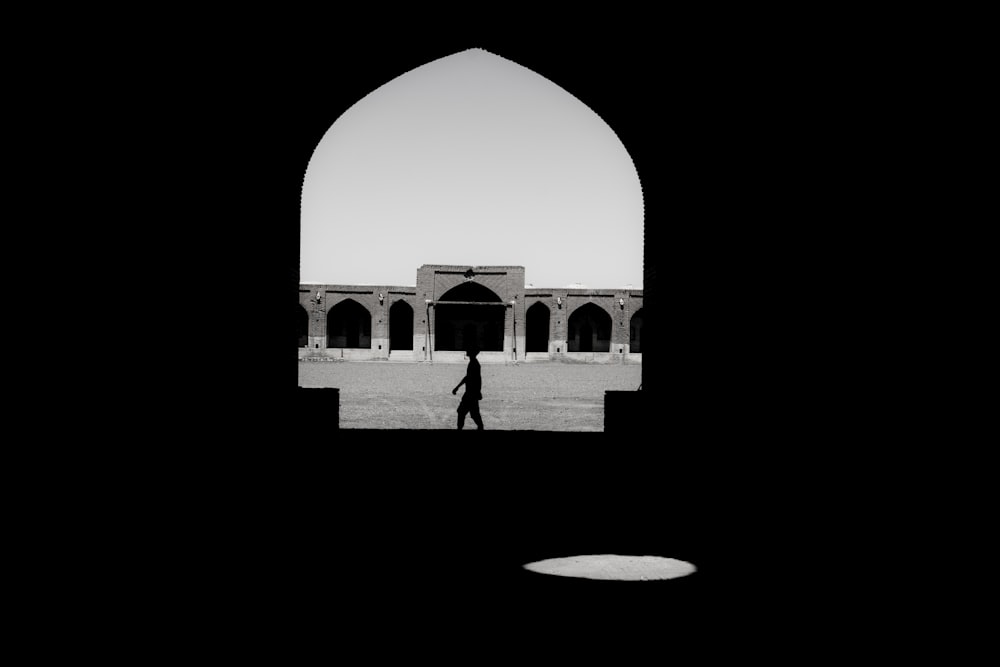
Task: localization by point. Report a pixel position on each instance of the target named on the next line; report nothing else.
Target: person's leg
(462, 410)
(475, 415)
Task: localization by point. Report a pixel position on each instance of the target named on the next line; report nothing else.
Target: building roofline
(474, 267)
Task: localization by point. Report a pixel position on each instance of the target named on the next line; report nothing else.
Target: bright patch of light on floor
(613, 566)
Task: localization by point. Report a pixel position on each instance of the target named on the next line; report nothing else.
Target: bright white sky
(471, 160)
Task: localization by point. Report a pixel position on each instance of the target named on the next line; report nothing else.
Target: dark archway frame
(302, 326)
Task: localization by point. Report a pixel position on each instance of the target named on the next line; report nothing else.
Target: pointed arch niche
(400, 326)
(635, 333)
(589, 329)
(476, 319)
(349, 325)
(537, 328)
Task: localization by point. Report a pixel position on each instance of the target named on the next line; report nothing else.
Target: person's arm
(455, 390)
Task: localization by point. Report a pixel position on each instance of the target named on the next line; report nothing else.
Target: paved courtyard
(536, 396)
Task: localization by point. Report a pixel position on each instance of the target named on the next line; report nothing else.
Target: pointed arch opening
(472, 144)
(589, 330)
(635, 333)
(400, 326)
(349, 325)
(478, 319)
(537, 328)
(471, 291)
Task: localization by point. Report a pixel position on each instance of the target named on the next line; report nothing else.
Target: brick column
(422, 315)
(428, 340)
(558, 317)
(516, 313)
(619, 324)
(317, 321)
(380, 324)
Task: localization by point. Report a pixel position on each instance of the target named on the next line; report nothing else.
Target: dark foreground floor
(405, 539)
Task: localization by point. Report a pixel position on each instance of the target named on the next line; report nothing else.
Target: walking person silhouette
(473, 382)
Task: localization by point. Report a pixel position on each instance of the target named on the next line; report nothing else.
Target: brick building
(452, 307)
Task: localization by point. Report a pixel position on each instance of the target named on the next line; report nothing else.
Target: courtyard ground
(537, 396)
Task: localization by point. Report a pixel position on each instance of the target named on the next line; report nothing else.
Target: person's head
(472, 351)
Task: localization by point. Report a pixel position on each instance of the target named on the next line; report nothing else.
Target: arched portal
(454, 150)
(537, 328)
(400, 326)
(589, 330)
(349, 324)
(302, 326)
(635, 333)
(477, 320)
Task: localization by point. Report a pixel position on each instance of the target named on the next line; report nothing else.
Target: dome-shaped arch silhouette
(537, 328)
(349, 325)
(471, 291)
(589, 329)
(635, 333)
(302, 326)
(464, 324)
(400, 326)
(472, 143)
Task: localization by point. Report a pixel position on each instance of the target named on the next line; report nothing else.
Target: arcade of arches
(452, 308)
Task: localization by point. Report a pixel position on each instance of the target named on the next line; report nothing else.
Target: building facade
(454, 307)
